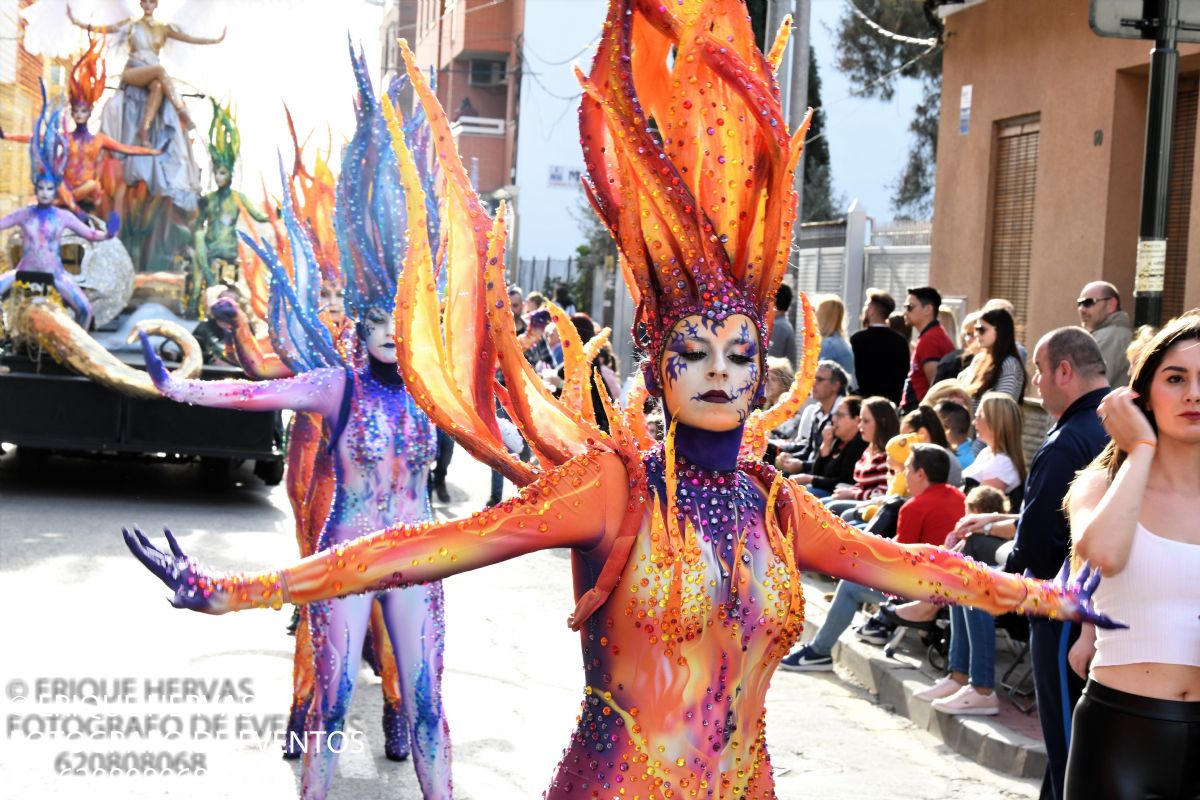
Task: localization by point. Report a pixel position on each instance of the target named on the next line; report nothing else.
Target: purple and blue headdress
(370, 217)
(48, 144)
(371, 227)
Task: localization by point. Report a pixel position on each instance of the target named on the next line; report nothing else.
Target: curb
(894, 681)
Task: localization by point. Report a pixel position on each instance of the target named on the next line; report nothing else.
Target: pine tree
(872, 61)
(820, 202)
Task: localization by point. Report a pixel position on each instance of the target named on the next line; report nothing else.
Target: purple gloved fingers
(158, 371)
(182, 576)
(1080, 588)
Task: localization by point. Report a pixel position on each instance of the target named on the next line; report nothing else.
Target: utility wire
(567, 60)
(527, 70)
(882, 31)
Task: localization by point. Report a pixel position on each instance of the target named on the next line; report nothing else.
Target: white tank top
(1158, 596)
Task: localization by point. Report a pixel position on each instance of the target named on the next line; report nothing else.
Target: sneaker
(943, 688)
(968, 701)
(441, 492)
(873, 633)
(807, 660)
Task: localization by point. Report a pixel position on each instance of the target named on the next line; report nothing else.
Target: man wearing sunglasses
(1100, 313)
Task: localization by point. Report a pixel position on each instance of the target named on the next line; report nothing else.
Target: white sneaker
(968, 701)
(943, 688)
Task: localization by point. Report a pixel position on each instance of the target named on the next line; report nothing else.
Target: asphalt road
(78, 608)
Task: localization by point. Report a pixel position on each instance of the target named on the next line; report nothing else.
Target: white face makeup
(221, 176)
(44, 191)
(710, 371)
(380, 335)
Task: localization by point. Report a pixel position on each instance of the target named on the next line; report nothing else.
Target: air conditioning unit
(487, 73)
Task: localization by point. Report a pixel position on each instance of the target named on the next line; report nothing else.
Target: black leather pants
(1128, 747)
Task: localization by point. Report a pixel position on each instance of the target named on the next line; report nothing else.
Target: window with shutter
(1013, 188)
(1179, 195)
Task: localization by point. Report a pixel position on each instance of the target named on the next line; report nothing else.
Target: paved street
(77, 606)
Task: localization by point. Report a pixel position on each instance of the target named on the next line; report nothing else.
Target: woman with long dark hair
(1136, 731)
(997, 367)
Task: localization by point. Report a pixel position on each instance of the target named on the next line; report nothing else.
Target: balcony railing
(478, 126)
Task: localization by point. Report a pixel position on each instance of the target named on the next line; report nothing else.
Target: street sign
(1134, 19)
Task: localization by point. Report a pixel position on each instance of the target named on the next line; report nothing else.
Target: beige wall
(1034, 57)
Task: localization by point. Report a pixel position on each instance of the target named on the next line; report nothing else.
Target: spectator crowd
(915, 430)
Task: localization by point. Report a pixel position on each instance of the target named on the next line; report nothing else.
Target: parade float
(119, 240)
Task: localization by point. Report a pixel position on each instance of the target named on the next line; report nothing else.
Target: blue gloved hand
(113, 226)
(155, 367)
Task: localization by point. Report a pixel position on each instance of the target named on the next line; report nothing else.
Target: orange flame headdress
(88, 75)
(690, 162)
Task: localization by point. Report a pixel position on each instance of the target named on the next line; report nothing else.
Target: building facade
(20, 100)
(1039, 162)
(473, 48)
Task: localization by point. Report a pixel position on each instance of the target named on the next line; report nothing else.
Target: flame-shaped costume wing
(762, 422)
(449, 358)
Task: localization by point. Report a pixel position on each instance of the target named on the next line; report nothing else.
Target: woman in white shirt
(1136, 731)
(1001, 463)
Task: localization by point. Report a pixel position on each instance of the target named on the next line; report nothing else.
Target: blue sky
(868, 139)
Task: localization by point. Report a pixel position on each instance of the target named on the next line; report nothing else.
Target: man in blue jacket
(1069, 374)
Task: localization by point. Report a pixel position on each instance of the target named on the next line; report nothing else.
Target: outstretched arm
(14, 219)
(827, 544)
(108, 143)
(257, 364)
(178, 35)
(23, 138)
(110, 28)
(78, 226)
(256, 213)
(320, 390)
(560, 509)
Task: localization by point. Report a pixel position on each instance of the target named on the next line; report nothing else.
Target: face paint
(380, 336)
(711, 372)
(44, 191)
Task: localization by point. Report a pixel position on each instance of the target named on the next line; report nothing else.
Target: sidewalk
(1010, 742)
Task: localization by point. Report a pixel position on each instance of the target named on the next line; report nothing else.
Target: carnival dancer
(686, 562)
(309, 477)
(84, 186)
(42, 224)
(381, 444)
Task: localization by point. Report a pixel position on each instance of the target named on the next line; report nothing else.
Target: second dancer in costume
(381, 445)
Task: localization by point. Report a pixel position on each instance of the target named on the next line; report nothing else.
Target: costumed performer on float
(43, 223)
(136, 113)
(146, 37)
(216, 259)
(686, 562)
(34, 314)
(382, 444)
(84, 183)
